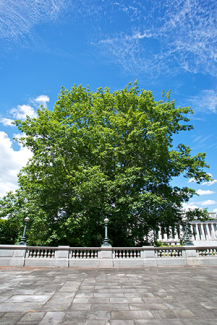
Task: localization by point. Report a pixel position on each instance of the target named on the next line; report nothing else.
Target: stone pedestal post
(105, 256)
(62, 256)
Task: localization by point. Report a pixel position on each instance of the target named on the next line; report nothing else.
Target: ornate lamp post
(106, 240)
(187, 238)
(23, 239)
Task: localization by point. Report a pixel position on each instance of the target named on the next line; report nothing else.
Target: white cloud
(22, 111)
(42, 99)
(210, 183)
(192, 180)
(215, 210)
(189, 206)
(6, 121)
(201, 192)
(10, 163)
(19, 135)
(207, 202)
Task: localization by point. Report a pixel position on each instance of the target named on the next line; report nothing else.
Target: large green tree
(103, 154)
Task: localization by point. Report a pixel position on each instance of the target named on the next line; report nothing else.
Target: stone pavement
(163, 296)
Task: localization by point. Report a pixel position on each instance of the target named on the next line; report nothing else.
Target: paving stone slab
(145, 314)
(10, 318)
(96, 322)
(63, 296)
(29, 298)
(20, 307)
(32, 317)
(158, 322)
(109, 307)
(147, 306)
(54, 318)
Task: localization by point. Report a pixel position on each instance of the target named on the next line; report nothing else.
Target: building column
(165, 236)
(176, 234)
(191, 232)
(209, 230)
(203, 237)
(213, 226)
(159, 234)
(197, 232)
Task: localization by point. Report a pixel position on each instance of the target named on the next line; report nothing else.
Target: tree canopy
(102, 154)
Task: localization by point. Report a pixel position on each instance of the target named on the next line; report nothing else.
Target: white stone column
(206, 226)
(206, 231)
(165, 236)
(209, 231)
(197, 231)
(182, 232)
(203, 237)
(176, 234)
(193, 231)
(171, 238)
(160, 234)
(213, 231)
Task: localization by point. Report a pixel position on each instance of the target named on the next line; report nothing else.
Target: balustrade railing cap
(12, 246)
(147, 247)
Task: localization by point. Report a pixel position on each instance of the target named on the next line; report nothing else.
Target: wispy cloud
(173, 36)
(17, 18)
(210, 183)
(6, 121)
(202, 192)
(206, 101)
(156, 37)
(207, 202)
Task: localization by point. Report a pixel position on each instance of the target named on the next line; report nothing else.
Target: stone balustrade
(127, 252)
(83, 252)
(106, 257)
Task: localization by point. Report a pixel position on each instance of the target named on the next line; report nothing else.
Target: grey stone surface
(76, 262)
(39, 262)
(6, 252)
(128, 263)
(113, 296)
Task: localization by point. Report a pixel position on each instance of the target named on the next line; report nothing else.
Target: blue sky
(46, 44)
